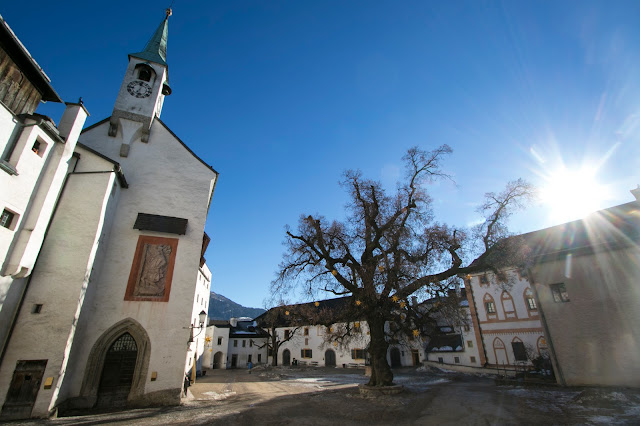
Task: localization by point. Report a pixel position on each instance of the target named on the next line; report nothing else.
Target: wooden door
(286, 357)
(396, 361)
(23, 389)
(330, 358)
(415, 357)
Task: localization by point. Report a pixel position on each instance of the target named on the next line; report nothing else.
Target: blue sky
(282, 96)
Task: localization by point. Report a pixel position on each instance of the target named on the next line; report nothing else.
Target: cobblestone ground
(319, 396)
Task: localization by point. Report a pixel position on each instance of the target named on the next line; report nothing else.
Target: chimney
(414, 300)
(72, 121)
(636, 193)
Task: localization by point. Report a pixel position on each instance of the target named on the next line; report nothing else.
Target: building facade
(102, 253)
(585, 278)
(506, 318)
(234, 344)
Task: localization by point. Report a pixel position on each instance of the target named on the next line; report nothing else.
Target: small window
(306, 331)
(219, 341)
(244, 343)
(473, 359)
(306, 342)
(250, 343)
(286, 334)
(484, 280)
(269, 352)
(259, 357)
(356, 326)
(440, 360)
(249, 358)
(357, 353)
(531, 303)
(305, 353)
(467, 328)
(37, 308)
(456, 359)
(469, 343)
(491, 307)
(38, 147)
(7, 219)
(235, 343)
(559, 292)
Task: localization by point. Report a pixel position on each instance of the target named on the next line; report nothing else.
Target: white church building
(102, 275)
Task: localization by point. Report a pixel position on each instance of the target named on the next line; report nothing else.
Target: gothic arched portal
(122, 337)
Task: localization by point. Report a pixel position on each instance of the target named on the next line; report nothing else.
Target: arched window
(542, 345)
(519, 351)
(500, 352)
(530, 301)
(507, 305)
(145, 73)
(490, 306)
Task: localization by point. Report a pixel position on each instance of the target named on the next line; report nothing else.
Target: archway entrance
(118, 371)
(286, 357)
(330, 358)
(217, 360)
(395, 358)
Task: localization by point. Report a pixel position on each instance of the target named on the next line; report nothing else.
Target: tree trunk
(381, 374)
(274, 348)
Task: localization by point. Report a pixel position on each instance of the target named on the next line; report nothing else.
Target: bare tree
(390, 248)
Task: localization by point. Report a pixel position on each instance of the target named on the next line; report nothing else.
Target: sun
(571, 194)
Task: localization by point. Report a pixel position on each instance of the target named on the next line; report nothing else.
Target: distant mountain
(221, 308)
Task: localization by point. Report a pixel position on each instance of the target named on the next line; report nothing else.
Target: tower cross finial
(168, 12)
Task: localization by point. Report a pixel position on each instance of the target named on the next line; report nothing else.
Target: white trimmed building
(101, 244)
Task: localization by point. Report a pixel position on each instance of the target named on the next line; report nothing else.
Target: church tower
(143, 89)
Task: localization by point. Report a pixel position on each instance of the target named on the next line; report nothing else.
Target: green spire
(156, 48)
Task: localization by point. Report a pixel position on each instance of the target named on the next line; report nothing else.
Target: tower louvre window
(145, 73)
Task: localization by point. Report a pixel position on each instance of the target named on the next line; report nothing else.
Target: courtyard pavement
(330, 396)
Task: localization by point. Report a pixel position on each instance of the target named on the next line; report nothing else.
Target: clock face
(139, 89)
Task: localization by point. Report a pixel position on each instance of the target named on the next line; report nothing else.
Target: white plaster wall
(243, 352)
(595, 335)
(30, 233)
(16, 191)
(318, 346)
(59, 283)
(213, 348)
(200, 301)
(164, 179)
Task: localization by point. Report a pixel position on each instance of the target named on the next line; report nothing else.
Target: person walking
(250, 365)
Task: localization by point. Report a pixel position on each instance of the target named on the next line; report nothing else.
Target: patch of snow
(605, 420)
(219, 396)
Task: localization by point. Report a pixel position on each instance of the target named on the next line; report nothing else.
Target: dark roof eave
(23, 59)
